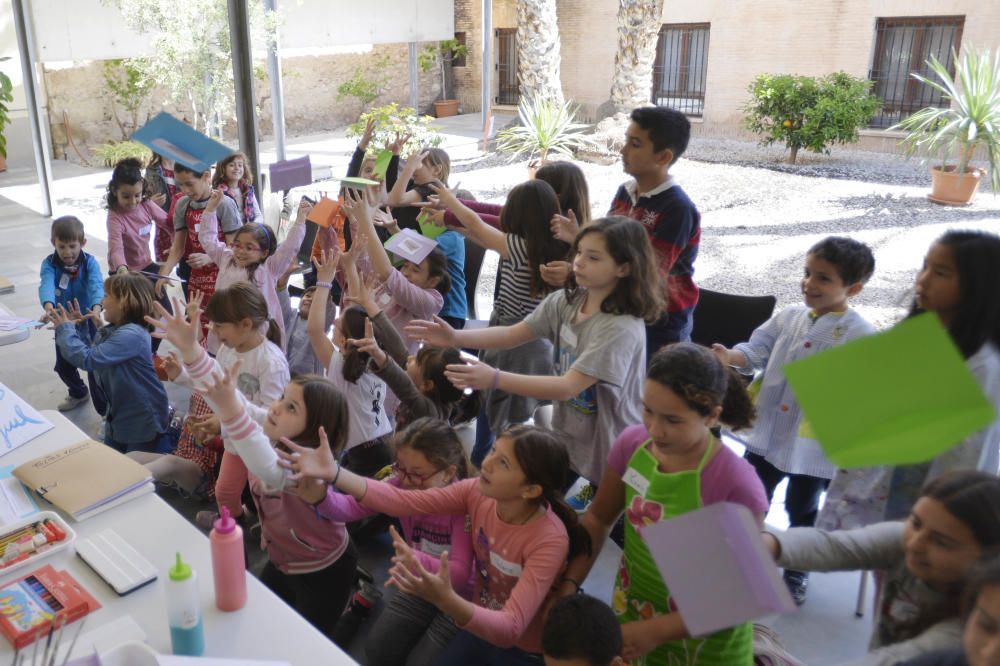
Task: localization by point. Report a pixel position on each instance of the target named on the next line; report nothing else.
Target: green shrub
(393, 119)
(6, 98)
(109, 154)
(547, 127)
(808, 112)
(367, 82)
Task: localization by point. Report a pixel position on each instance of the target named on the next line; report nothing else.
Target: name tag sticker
(144, 231)
(636, 481)
(197, 227)
(431, 548)
(505, 567)
(64, 281)
(384, 299)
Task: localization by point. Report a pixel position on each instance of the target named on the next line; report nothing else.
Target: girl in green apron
(670, 465)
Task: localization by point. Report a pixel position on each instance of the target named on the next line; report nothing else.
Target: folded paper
(410, 245)
(324, 212)
(899, 397)
(427, 226)
(291, 173)
(172, 138)
(355, 181)
(716, 554)
(382, 163)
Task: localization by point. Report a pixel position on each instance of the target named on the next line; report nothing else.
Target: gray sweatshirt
(902, 598)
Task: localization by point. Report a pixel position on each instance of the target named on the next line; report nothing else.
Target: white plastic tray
(44, 551)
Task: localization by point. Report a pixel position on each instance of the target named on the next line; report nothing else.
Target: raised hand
(177, 329)
(199, 260)
(565, 228)
(205, 427)
(381, 218)
(357, 208)
(473, 374)
(59, 316)
(399, 142)
(555, 273)
(368, 345)
(436, 333)
(369, 132)
(326, 265)
(171, 366)
(308, 463)
(214, 199)
(349, 259)
(304, 207)
(220, 389)
(445, 196)
(410, 576)
(414, 160)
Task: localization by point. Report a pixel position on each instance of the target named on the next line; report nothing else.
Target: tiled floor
(824, 631)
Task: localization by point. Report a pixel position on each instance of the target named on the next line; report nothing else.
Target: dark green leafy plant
(129, 86)
(809, 112)
(367, 83)
(442, 54)
(6, 99)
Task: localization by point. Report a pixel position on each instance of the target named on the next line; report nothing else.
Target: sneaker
(797, 582)
(583, 498)
(768, 650)
(69, 402)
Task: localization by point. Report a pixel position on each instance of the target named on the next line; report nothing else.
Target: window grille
(681, 66)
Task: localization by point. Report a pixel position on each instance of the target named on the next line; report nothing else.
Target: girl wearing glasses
(255, 256)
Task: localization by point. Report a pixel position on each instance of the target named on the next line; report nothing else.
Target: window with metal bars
(903, 45)
(681, 67)
(508, 89)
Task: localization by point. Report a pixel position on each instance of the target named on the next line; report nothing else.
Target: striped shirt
(514, 301)
(794, 333)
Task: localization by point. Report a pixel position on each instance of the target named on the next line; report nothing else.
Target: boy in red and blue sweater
(655, 139)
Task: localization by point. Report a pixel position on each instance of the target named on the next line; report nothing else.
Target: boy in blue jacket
(71, 275)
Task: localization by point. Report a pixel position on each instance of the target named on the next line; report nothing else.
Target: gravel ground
(760, 216)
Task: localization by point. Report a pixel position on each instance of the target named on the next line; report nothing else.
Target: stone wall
(81, 111)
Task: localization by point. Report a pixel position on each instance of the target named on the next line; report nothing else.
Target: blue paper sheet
(172, 138)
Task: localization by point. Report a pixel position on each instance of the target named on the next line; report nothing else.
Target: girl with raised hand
(596, 326)
(413, 185)
(311, 564)
(367, 447)
(415, 291)
(525, 245)
(670, 465)
(956, 284)
(254, 256)
(522, 533)
(233, 177)
(924, 559)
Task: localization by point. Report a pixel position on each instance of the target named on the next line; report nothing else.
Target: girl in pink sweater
(311, 565)
(522, 532)
(255, 257)
(132, 218)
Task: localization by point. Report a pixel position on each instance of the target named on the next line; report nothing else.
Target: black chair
(727, 318)
(473, 264)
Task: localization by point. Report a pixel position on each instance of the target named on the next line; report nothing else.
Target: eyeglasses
(417, 479)
(245, 247)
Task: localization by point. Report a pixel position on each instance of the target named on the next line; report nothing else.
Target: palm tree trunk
(638, 28)
(538, 50)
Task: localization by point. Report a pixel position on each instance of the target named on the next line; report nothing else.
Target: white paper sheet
(19, 422)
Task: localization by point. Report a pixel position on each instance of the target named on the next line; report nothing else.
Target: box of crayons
(30, 605)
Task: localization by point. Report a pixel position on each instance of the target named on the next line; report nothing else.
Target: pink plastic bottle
(228, 564)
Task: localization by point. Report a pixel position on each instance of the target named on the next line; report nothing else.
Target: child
(522, 533)
(955, 521)
(596, 326)
(413, 185)
(415, 291)
(186, 215)
(131, 218)
(366, 450)
(302, 360)
(666, 467)
(254, 256)
(69, 275)
(233, 178)
(567, 179)
(160, 181)
(238, 314)
(411, 630)
(953, 284)
(121, 360)
(418, 382)
(581, 631)
(654, 141)
(310, 564)
(981, 614)
(524, 245)
(780, 444)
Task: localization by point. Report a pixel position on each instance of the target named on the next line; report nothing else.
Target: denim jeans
(466, 649)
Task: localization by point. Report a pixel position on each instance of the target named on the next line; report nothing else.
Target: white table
(265, 628)
(10, 337)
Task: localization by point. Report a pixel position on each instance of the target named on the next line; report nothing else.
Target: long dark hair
(977, 258)
(127, 172)
(435, 440)
(699, 378)
(640, 292)
(543, 458)
(326, 407)
(528, 213)
(452, 403)
(437, 267)
(239, 301)
(352, 326)
(986, 573)
(570, 185)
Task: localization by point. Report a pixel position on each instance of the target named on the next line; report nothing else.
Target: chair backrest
(473, 264)
(728, 318)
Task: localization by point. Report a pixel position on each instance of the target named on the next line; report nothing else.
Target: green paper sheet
(428, 228)
(356, 181)
(382, 163)
(899, 397)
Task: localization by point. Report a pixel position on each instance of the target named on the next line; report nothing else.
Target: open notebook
(86, 478)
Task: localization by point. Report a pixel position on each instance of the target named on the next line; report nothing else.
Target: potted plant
(443, 54)
(971, 120)
(546, 128)
(6, 98)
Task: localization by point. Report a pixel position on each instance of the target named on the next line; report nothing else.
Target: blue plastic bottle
(187, 631)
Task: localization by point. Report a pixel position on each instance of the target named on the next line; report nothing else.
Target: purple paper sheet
(291, 173)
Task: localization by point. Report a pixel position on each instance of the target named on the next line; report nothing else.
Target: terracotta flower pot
(952, 188)
(446, 107)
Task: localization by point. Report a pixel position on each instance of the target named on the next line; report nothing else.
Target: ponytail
(273, 331)
(698, 376)
(544, 460)
(352, 326)
(452, 403)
